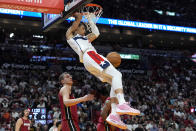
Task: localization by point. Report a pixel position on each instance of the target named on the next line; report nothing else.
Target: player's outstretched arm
(69, 33)
(70, 102)
(95, 31)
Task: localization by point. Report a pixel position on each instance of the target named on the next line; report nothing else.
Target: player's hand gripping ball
(114, 58)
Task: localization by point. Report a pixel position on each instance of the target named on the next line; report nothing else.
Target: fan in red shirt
(23, 123)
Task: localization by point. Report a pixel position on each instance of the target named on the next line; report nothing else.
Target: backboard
(49, 21)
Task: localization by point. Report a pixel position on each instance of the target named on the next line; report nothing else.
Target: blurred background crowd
(159, 76)
(164, 91)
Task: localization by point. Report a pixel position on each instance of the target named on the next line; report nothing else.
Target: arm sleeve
(93, 26)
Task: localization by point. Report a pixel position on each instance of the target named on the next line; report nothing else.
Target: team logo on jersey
(98, 59)
(27, 124)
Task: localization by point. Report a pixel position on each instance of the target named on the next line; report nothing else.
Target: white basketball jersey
(80, 44)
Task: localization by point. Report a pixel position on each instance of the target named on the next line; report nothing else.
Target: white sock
(113, 108)
(120, 97)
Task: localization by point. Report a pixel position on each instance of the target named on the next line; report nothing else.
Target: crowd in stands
(145, 10)
(164, 93)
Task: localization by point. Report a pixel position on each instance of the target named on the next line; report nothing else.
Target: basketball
(114, 58)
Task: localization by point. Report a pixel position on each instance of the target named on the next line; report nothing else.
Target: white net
(92, 11)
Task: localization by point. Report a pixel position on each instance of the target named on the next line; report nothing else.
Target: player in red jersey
(23, 123)
(105, 111)
(68, 103)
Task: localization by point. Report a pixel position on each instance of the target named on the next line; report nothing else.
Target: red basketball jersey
(26, 125)
(69, 116)
(100, 118)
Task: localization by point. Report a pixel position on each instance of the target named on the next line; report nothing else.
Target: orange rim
(94, 5)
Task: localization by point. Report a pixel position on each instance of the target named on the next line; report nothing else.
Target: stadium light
(159, 12)
(11, 35)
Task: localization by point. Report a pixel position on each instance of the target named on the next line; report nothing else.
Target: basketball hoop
(93, 11)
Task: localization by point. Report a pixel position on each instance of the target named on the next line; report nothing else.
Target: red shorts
(70, 125)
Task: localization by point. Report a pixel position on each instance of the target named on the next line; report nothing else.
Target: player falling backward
(99, 66)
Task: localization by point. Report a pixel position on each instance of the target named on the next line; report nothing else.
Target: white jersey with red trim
(80, 44)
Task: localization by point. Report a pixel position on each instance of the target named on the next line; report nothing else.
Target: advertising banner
(43, 6)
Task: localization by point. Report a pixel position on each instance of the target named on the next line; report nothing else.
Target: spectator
(189, 128)
(5, 103)
(149, 125)
(54, 127)
(154, 128)
(57, 114)
(6, 116)
(39, 127)
(2, 128)
(59, 126)
(42, 104)
(2, 81)
(15, 114)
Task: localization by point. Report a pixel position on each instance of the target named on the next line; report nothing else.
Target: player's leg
(110, 75)
(116, 85)
(114, 118)
(114, 78)
(70, 125)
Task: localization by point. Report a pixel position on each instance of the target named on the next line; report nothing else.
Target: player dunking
(68, 103)
(99, 66)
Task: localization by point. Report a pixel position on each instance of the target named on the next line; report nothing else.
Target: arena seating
(165, 93)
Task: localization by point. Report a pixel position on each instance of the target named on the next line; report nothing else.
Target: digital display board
(193, 57)
(20, 13)
(130, 56)
(50, 18)
(144, 25)
(193, 109)
(40, 116)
